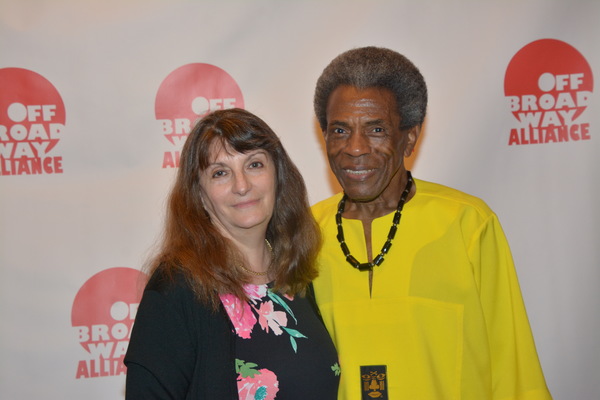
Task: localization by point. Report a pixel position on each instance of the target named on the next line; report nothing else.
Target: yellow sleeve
(515, 367)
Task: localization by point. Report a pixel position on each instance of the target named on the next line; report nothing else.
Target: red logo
(103, 313)
(548, 85)
(32, 121)
(187, 94)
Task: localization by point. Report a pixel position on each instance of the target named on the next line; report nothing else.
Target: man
(417, 284)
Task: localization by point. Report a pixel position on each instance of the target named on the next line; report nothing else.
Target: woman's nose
(241, 184)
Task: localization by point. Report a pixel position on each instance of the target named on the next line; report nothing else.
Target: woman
(224, 314)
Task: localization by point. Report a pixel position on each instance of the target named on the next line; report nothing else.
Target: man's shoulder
(429, 191)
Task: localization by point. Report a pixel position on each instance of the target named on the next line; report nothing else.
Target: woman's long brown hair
(193, 245)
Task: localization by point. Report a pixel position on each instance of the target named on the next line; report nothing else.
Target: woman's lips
(246, 204)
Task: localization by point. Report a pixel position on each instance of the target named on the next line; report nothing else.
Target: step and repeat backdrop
(96, 99)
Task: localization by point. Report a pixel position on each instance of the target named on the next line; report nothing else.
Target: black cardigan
(192, 352)
(192, 348)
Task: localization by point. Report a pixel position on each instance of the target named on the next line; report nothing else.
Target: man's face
(365, 145)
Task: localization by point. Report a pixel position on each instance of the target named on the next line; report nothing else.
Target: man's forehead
(361, 97)
(373, 103)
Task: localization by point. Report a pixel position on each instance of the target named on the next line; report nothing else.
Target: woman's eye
(256, 164)
(218, 174)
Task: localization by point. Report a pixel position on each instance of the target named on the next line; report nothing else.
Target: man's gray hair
(375, 67)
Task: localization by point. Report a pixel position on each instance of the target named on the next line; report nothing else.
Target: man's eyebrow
(375, 122)
(339, 123)
(378, 121)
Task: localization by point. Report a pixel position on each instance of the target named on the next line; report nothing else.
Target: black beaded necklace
(388, 243)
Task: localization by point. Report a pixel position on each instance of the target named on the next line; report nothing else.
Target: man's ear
(412, 135)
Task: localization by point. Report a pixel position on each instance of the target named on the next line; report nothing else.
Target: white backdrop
(99, 217)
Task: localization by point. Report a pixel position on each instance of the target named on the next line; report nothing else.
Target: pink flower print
(240, 314)
(268, 318)
(260, 386)
(255, 292)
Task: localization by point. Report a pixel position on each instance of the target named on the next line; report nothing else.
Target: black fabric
(179, 349)
(288, 347)
(312, 298)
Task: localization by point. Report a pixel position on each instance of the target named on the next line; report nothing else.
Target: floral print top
(283, 350)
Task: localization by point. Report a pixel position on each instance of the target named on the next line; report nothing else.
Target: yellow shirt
(445, 317)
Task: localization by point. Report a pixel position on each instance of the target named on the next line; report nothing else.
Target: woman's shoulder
(173, 290)
(165, 279)
(171, 284)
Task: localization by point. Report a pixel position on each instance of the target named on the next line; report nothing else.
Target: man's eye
(339, 131)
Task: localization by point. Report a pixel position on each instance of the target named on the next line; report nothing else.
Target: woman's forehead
(220, 150)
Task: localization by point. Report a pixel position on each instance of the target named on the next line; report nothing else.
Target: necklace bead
(388, 243)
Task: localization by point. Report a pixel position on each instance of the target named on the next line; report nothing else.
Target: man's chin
(358, 196)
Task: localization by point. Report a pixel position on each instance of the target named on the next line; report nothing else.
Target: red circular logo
(103, 314)
(548, 85)
(187, 94)
(32, 121)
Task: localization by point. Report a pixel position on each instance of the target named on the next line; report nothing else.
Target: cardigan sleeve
(161, 355)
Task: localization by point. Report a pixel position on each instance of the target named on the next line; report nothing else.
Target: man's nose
(357, 144)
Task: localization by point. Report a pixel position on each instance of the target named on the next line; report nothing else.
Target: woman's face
(238, 189)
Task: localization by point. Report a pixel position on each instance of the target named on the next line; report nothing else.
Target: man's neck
(385, 203)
